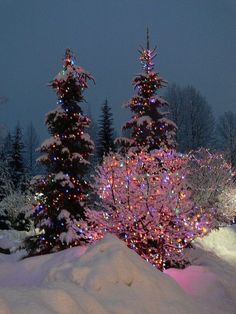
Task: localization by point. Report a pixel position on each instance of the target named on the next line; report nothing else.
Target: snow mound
(221, 242)
(107, 278)
(212, 277)
(213, 286)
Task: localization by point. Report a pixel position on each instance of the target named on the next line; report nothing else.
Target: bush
(212, 182)
(147, 203)
(13, 209)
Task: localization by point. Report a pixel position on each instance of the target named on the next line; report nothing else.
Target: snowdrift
(107, 278)
(212, 277)
(110, 278)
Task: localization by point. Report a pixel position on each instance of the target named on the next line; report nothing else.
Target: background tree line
(197, 126)
(17, 166)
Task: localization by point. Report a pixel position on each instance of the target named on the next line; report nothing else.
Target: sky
(195, 42)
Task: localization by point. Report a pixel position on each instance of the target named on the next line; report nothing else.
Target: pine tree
(151, 129)
(106, 132)
(5, 174)
(62, 194)
(31, 144)
(16, 160)
(5, 187)
(93, 132)
(6, 147)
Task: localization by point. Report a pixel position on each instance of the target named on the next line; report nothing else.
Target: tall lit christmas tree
(62, 193)
(149, 125)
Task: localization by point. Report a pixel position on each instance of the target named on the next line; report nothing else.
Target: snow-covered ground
(110, 278)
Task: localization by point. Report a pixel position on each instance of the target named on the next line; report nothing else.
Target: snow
(42, 158)
(160, 100)
(144, 120)
(110, 278)
(167, 121)
(222, 242)
(12, 239)
(64, 178)
(79, 158)
(69, 236)
(57, 112)
(70, 70)
(86, 138)
(50, 142)
(212, 277)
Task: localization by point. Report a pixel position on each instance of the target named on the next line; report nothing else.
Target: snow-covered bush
(14, 208)
(226, 206)
(147, 204)
(13, 240)
(211, 181)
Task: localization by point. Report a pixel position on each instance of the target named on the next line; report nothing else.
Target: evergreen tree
(5, 174)
(5, 187)
(3, 100)
(5, 177)
(6, 147)
(106, 132)
(6, 183)
(16, 161)
(62, 194)
(31, 144)
(93, 132)
(151, 129)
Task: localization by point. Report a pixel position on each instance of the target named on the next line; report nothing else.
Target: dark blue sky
(195, 39)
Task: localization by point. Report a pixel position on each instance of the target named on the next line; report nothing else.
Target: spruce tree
(16, 160)
(106, 132)
(5, 173)
(93, 132)
(6, 147)
(149, 125)
(5, 177)
(5, 187)
(31, 141)
(62, 194)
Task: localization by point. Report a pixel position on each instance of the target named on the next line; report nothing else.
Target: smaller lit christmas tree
(149, 124)
(147, 204)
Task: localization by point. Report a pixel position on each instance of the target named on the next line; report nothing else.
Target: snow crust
(109, 278)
